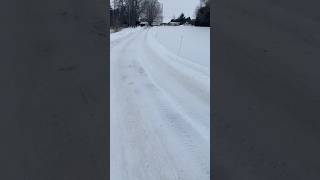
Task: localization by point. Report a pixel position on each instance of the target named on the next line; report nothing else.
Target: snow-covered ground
(160, 107)
(195, 42)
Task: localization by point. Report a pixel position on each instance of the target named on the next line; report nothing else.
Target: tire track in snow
(123, 37)
(134, 150)
(180, 82)
(155, 136)
(175, 122)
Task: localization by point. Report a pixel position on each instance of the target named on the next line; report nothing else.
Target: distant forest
(202, 16)
(129, 13)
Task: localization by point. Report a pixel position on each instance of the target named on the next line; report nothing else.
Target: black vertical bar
(54, 91)
(266, 90)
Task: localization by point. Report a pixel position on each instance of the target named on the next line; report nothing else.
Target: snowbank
(195, 42)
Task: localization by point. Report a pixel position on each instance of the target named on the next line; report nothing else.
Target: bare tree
(133, 10)
(128, 12)
(137, 9)
(152, 10)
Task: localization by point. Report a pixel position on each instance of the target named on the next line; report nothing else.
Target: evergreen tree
(203, 15)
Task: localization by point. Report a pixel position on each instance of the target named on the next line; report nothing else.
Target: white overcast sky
(176, 7)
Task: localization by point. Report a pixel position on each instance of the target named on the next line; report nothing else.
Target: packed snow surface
(160, 104)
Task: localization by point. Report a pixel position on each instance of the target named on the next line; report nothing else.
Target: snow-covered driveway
(160, 107)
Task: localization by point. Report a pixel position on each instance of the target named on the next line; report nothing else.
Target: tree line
(131, 12)
(202, 14)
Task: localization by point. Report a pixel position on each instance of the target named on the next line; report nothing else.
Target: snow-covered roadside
(160, 116)
(195, 42)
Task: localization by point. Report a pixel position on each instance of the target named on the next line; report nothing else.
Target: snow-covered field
(195, 42)
(160, 107)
